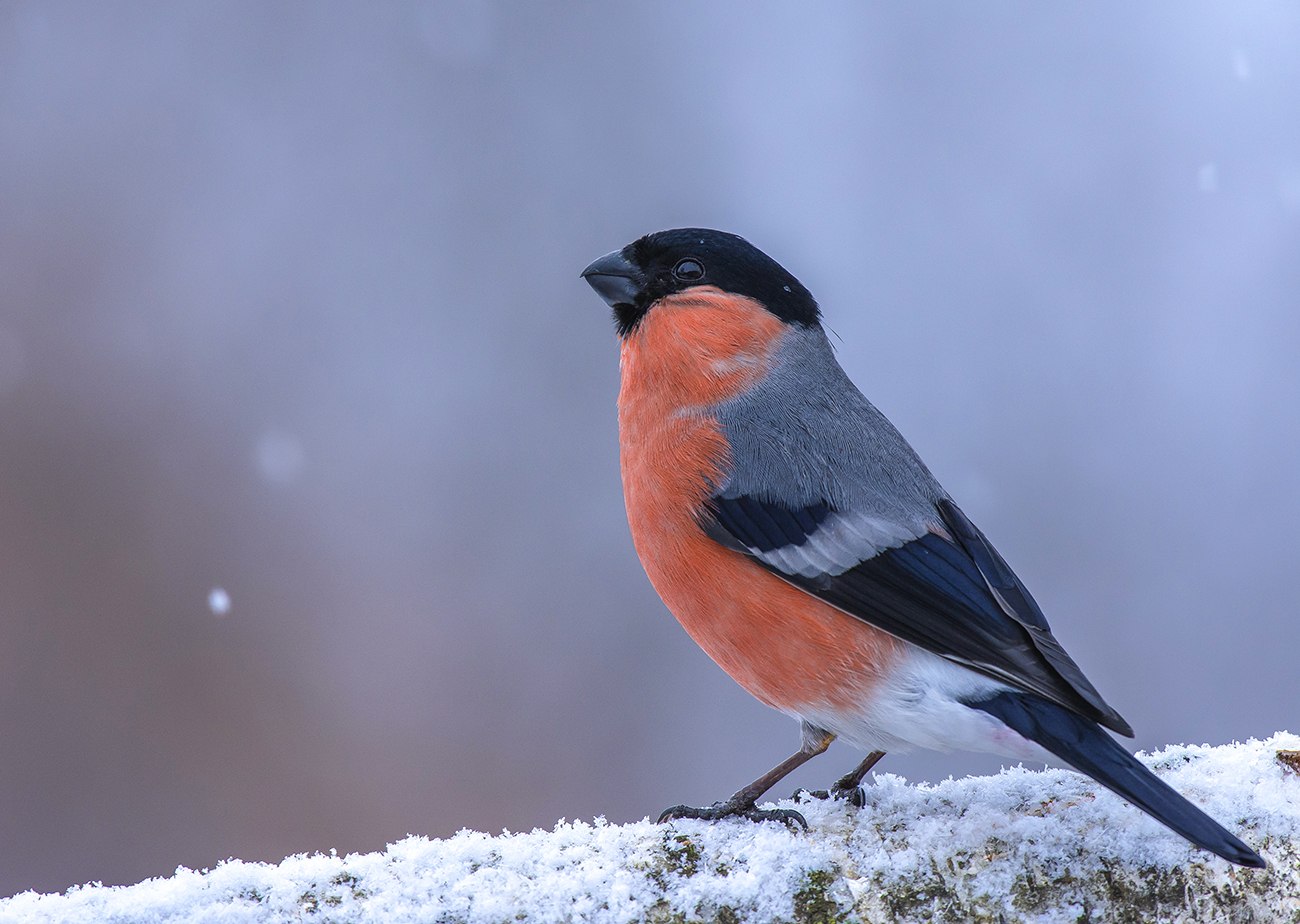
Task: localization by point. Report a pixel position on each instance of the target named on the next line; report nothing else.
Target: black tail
(1083, 745)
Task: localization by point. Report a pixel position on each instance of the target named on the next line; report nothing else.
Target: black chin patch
(626, 318)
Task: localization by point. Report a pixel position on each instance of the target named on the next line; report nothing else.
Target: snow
(279, 456)
(218, 601)
(1207, 177)
(1019, 846)
(1241, 65)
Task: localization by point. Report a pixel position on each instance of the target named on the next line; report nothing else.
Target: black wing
(953, 596)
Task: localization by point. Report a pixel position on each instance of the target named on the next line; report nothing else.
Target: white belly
(919, 706)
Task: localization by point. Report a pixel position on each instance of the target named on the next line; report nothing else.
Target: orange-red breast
(802, 543)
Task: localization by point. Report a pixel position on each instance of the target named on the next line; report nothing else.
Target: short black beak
(615, 279)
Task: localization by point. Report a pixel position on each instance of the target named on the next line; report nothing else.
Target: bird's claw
(854, 796)
(719, 810)
(807, 795)
(687, 811)
(788, 817)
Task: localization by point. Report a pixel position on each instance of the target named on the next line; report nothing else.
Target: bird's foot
(734, 808)
(853, 795)
(848, 788)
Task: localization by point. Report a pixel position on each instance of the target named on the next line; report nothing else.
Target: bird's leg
(849, 786)
(743, 802)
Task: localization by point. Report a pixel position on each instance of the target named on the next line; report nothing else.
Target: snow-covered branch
(1018, 846)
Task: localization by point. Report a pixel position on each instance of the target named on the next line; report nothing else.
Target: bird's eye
(689, 270)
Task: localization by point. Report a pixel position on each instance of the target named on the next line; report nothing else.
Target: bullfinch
(807, 549)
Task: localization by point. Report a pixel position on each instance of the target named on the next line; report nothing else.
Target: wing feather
(951, 594)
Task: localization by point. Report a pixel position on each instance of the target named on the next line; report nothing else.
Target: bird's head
(665, 263)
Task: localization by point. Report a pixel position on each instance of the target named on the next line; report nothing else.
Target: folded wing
(945, 588)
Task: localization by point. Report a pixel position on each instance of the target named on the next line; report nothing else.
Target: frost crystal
(1020, 846)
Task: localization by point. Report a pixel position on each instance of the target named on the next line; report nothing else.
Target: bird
(803, 544)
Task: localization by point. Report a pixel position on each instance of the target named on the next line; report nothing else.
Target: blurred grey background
(290, 310)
